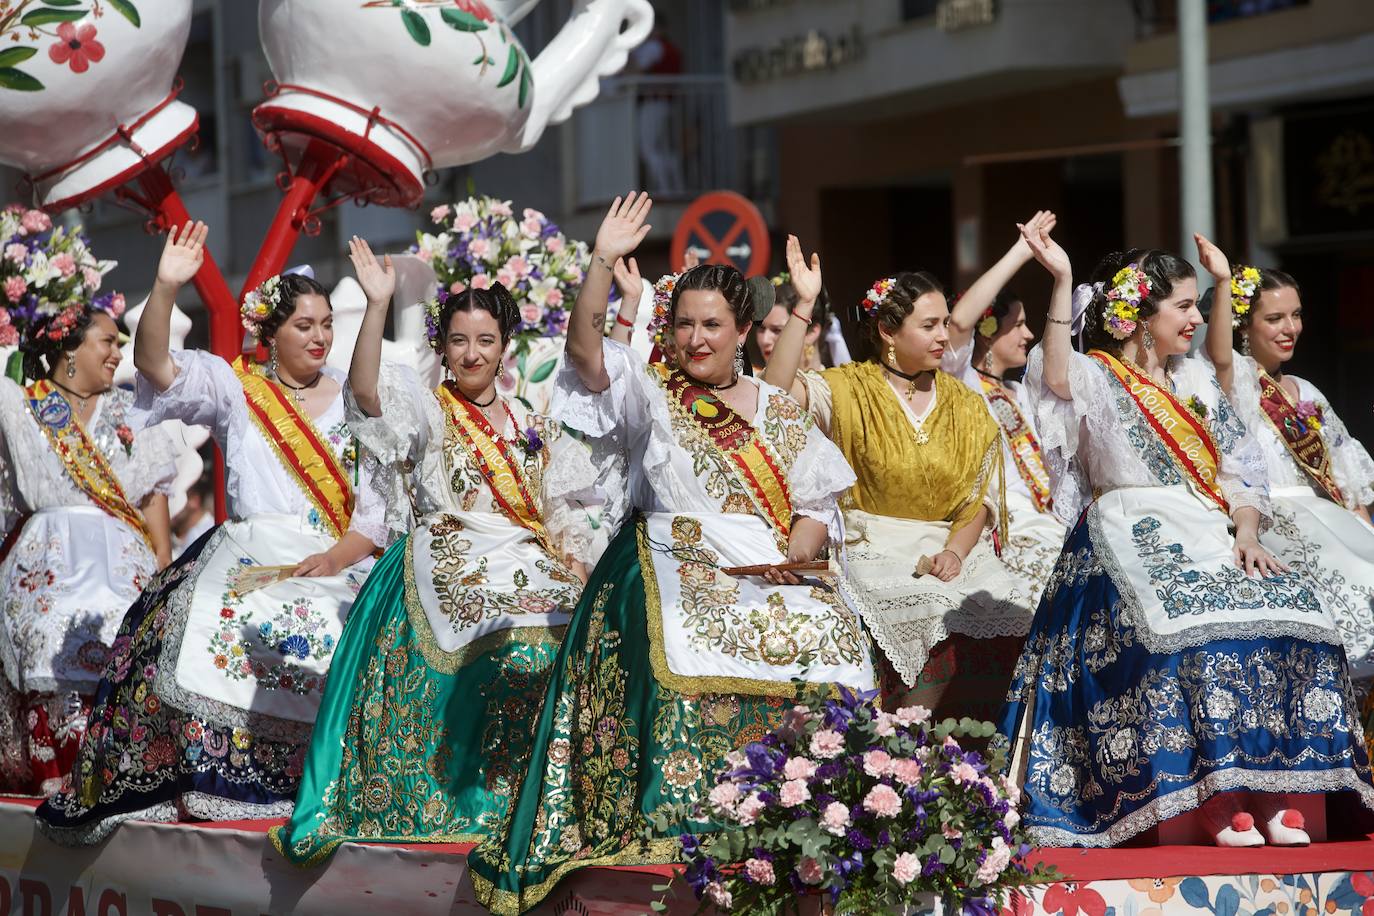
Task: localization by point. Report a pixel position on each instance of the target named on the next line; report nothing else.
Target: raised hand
(377, 278)
(623, 228)
(1212, 258)
(806, 278)
(690, 258)
(631, 284)
(1045, 249)
(1046, 220)
(182, 255)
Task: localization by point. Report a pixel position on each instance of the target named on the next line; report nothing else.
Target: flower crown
(259, 305)
(987, 324)
(663, 301)
(1245, 283)
(1121, 315)
(878, 293)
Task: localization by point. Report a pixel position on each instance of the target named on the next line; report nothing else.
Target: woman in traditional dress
(815, 346)
(83, 515)
(1321, 479)
(217, 672)
(425, 729)
(669, 663)
(946, 612)
(988, 340)
(1171, 661)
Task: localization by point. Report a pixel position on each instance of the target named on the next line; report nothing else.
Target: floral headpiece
(781, 279)
(877, 295)
(659, 325)
(1129, 288)
(987, 323)
(433, 306)
(1245, 283)
(259, 305)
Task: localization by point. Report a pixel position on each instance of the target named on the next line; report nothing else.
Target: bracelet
(604, 264)
(1053, 320)
(803, 318)
(620, 320)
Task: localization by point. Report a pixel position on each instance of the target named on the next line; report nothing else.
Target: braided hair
(41, 351)
(495, 301)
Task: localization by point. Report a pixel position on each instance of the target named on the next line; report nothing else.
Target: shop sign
(813, 52)
(954, 15)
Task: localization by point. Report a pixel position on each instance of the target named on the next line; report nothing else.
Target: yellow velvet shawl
(945, 479)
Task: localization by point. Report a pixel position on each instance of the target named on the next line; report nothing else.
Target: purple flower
(533, 444)
(859, 840)
(979, 906)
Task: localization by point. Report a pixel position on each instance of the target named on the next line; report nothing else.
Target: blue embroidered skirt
(1122, 737)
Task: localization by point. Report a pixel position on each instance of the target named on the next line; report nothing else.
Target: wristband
(1052, 320)
(803, 318)
(620, 320)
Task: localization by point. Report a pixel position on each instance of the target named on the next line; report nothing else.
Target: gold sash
(84, 463)
(750, 458)
(1302, 439)
(945, 479)
(301, 450)
(1025, 448)
(1185, 437)
(504, 473)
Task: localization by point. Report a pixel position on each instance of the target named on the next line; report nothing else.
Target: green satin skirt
(611, 745)
(412, 744)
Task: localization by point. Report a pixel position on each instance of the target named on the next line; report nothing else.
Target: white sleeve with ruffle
(205, 392)
(818, 477)
(820, 400)
(571, 497)
(370, 515)
(1060, 424)
(1350, 462)
(11, 411)
(152, 468)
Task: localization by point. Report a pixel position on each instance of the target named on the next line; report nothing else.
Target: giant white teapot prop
(86, 95)
(410, 86)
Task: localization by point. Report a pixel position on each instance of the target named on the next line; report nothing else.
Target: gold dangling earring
(1244, 344)
(272, 363)
(501, 369)
(1148, 341)
(739, 361)
(987, 362)
(892, 356)
(71, 368)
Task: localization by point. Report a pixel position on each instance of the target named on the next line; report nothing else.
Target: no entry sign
(727, 226)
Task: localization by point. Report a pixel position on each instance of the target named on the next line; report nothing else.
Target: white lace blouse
(640, 454)
(1351, 465)
(959, 363)
(1098, 440)
(206, 392)
(33, 477)
(418, 467)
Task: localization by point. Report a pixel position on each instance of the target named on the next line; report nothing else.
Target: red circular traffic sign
(729, 227)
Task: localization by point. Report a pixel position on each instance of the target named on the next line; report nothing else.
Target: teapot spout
(591, 45)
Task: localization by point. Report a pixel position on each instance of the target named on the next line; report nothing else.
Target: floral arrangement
(987, 324)
(482, 241)
(1310, 413)
(1196, 406)
(660, 331)
(868, 807)
(1245, 283)
(48, 276)
(877, 295)
(259, 305)
(1129, 288)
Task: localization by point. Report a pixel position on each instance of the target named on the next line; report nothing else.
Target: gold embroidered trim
(513, 903)
(275, 837)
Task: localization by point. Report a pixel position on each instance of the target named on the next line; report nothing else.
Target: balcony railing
(672, 134)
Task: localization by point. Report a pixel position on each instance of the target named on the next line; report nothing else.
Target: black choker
(910, 379)
(990, 375)
(733, 382)
(477, 404)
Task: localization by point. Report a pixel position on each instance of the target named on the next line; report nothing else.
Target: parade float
(90, 106)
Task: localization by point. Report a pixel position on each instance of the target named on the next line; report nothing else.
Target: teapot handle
(568, 71)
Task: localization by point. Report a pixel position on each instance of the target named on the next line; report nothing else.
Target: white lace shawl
(406, 446)
(1350, 462)
(634, 445)
(206, 392)
(1098, 440)
(33, 477)
(959, 363)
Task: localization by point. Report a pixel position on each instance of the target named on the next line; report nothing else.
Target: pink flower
(531, 213)
(964, 773)
(835, 819)
(64, 263)
(37, 220)
(883, 801)
(749, 810)
(906, 867)
(724, 796)
(506, 278)
(795, 792)
(999, 857)
(827, 743)
(425, 254)
(530, 313)
(9, 335)
(719, 895)
(913, 715)
(518, 265)
(877, 763)
(554, 298)
(77, 47)
(501, 208)
(1011, 818)
(457, 286)
(16, 253)
(439, 213)
(887, 724)
(950, 742)
(15, 287)
(554, 245)
(799, 768)
(950, 833)
(760, 871)
(117, 305)
(92, 277)
(462, 222)
(479, 248)
(531, 227)
(481, 281)
(810, 871)
(908, 772)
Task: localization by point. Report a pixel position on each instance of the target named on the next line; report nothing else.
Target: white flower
(40, 271)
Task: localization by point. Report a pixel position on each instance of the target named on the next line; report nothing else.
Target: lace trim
(216, 808)
(1135, 618)
(1183, 800)
(90, 834)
